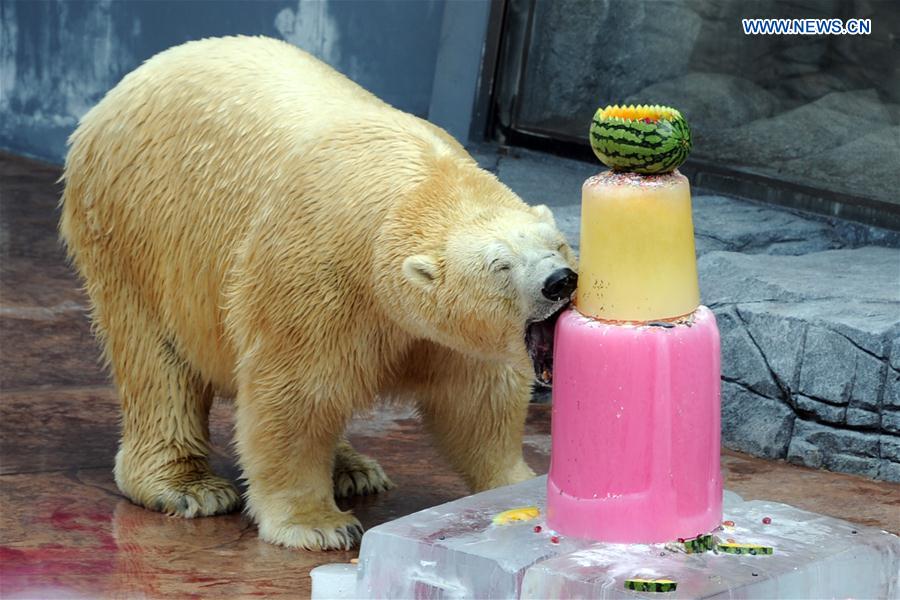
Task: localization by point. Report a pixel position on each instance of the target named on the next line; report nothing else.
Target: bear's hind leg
(356, 474)
(162, 460)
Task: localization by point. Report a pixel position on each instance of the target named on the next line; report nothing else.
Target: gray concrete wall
(58, 57)
(458, 66)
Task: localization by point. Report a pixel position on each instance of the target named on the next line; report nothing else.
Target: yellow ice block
(637, 248)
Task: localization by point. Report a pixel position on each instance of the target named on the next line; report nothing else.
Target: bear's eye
(498, 264)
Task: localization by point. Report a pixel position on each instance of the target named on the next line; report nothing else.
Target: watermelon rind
(648, 139)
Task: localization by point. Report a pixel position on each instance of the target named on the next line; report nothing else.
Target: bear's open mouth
(539, 342)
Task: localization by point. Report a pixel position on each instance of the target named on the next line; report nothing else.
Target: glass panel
(819, 110)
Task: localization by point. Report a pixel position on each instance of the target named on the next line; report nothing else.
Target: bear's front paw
(359, 475)
(328, 531)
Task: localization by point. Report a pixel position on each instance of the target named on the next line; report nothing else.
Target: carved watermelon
(643, 139)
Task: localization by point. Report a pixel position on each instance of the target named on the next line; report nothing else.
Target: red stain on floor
(95, 524)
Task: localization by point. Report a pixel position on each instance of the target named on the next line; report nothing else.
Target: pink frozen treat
(635, 430)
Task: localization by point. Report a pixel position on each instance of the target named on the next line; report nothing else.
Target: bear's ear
(420, 269)
(544, 213)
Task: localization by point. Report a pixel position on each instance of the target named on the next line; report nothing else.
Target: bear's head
(489, 278)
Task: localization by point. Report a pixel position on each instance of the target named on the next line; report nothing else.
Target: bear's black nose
(560, 284)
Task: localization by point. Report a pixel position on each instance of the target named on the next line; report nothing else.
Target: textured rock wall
(811, 350)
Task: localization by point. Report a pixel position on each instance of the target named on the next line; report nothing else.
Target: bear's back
(223, 78)
(239, 115)
(220, 141)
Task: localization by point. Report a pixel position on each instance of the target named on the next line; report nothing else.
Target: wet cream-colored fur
(251, 223)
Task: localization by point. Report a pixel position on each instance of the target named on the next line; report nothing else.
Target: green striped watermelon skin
(638, 146)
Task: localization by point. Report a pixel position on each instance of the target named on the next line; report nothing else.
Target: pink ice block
(635, 430)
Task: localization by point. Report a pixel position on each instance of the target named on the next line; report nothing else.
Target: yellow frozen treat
(637, 248)
(513, 515)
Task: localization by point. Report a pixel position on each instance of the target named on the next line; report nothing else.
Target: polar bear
(250, 223)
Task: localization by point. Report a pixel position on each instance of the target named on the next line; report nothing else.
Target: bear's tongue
(539, 341)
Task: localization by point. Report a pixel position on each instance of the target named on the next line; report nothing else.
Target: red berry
(728, 523)
(680, 540)
(537, 528)
(554, 539)
(766, 520)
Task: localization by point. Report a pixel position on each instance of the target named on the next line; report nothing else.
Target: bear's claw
(204, 496)
(358, 475)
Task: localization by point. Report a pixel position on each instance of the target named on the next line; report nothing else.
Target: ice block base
(456, 551)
